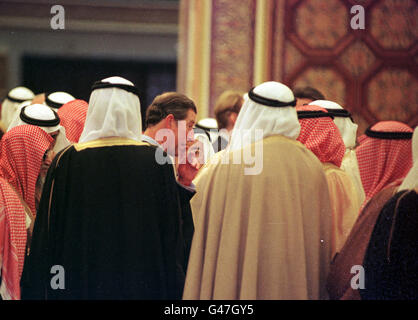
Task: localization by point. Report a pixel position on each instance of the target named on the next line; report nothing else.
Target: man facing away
(108, 225)
(26, 152)
(348, 130)
(265, 235)
(9, 105)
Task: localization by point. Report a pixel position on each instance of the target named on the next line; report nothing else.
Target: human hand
(189, 165)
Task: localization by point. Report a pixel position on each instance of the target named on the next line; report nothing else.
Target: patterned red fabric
(361, 138)
(12, 241)
(383, 161)
(321, 136)
(73, 115)
(22, 151)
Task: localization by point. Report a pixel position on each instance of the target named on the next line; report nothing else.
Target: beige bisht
(265, 236)
(350, 165)
(345, 204)
(348, 130)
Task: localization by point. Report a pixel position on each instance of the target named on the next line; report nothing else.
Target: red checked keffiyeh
(73, 116)
(384, 160)
(22, 151)
(12, 241)
(321, 136)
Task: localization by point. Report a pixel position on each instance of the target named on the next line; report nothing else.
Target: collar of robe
(269, 102)
(103, 85)
(389, 135)
(39, 122)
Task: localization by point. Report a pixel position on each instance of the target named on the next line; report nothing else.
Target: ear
(170, 121)
(233, 117)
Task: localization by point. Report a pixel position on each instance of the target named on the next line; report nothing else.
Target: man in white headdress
(203, 146)
(205, 133)
(209, 125)
(262, 234)
(348, 131)
(57, 99)
(411, 180)
(109, 213)
(9, 106)
(45, 117)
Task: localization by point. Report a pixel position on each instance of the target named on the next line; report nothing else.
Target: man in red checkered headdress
(320, 135)
(384, 156)
(25, 156)
(44, 117)
(384, 160)
(73, 116)
(348, 130)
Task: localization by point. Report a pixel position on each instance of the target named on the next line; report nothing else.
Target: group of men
(96, 207)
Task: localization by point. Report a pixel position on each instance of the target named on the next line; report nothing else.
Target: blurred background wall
(133, 39)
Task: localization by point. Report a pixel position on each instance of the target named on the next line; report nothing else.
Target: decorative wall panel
(232, 46)
(372, 72)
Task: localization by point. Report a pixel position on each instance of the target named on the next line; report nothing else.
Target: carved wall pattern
(233, 24)
(372, 72)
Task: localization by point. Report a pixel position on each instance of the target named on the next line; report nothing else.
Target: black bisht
(390, 262)
(111, 217)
